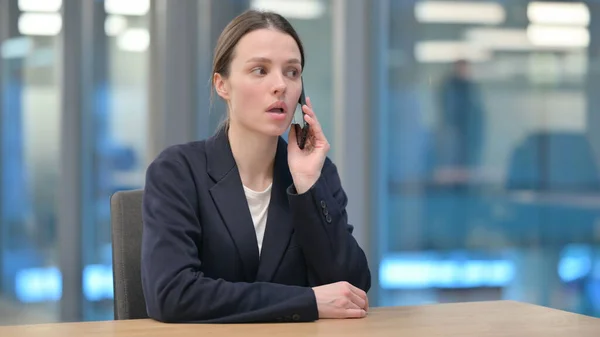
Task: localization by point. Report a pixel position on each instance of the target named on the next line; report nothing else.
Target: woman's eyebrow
(266, 60)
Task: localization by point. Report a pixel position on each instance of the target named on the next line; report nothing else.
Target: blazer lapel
(279, 227)
(228, 195)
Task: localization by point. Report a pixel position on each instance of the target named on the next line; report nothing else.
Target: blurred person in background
(462, 122)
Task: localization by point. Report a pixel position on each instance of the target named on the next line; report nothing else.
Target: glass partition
(493, 183)
(30, 282)
(115, 158)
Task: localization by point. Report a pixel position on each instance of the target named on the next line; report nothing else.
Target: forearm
(322, 229)
(191, 297)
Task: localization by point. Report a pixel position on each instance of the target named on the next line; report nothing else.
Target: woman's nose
(279, 85)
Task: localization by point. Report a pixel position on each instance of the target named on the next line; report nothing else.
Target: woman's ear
(221, 86)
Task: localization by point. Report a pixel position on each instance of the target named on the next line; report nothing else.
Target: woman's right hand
(341, 300)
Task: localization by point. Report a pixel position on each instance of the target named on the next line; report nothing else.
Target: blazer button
(325, 211)
(296, 317)
(323, 204)
(328, 218)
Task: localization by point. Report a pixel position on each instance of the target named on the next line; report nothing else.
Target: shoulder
(173, 176)
(185, 154)
(178, 161)
(182, 153)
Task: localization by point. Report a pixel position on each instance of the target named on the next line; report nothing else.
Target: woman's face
(264, 82)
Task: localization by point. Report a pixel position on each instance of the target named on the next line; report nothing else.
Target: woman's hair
(243, 24)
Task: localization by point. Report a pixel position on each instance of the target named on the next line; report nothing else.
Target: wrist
(304, 184)
(301, 188)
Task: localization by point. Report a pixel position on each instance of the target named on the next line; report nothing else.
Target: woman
(244, 227)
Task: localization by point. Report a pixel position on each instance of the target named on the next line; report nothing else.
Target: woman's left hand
(306, 164)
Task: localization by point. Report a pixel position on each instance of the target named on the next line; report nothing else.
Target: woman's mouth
(277, 108)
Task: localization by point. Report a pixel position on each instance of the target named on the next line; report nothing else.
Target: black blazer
(200, 260)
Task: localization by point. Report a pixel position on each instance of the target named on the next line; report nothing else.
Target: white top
(258, 202)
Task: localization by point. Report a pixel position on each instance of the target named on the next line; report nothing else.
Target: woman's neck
(254, 155)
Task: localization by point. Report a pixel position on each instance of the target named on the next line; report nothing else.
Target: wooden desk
(481, 319)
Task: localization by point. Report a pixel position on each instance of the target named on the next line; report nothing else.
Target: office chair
(126, 231)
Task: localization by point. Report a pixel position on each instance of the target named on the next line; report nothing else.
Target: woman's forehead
(267, 45)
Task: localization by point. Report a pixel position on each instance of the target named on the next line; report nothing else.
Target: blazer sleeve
(324, 234)
(174, 286)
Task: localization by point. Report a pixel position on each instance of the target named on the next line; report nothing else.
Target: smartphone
(302, 134)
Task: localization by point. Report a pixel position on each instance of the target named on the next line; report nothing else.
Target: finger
(357, 300)
(362, 295)
(355, 313)
(316, 130)
(309, 144)
(315, 126)
(350, 304)
(309, 105)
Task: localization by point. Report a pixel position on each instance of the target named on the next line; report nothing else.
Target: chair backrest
(126, 223)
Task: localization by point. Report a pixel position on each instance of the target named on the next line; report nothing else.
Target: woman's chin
(276, 130)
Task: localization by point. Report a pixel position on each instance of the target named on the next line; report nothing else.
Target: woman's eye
(259, 71)
(293, 73)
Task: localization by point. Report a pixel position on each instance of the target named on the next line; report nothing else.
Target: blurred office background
(466, 134)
